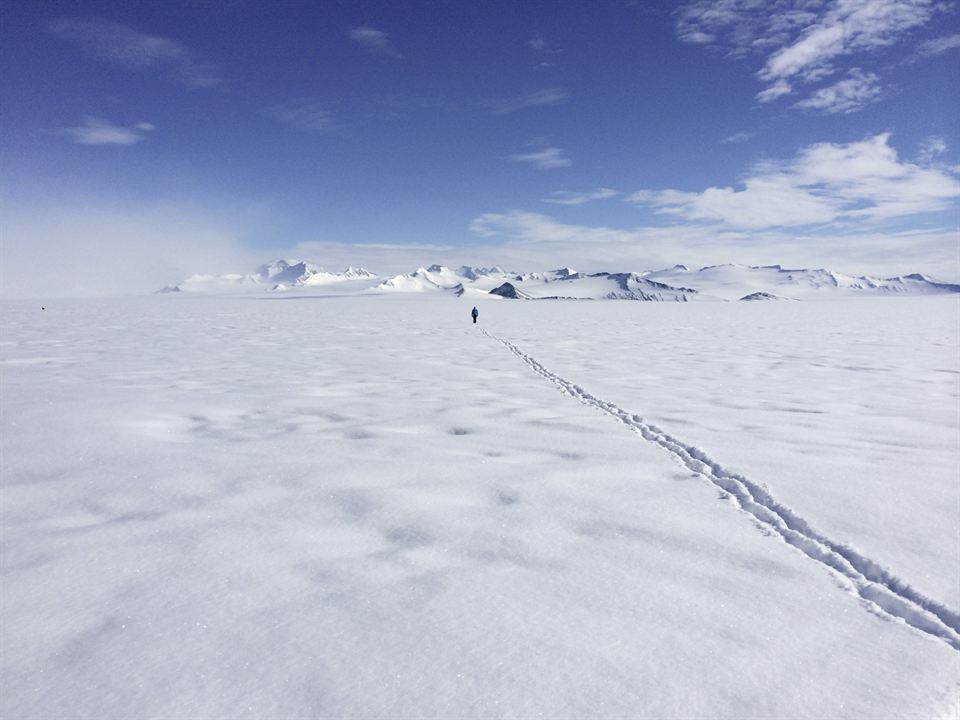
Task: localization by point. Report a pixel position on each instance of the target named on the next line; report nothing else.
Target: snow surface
(368, 507)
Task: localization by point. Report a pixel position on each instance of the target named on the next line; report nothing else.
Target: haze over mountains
(277, 275)
(676, 284)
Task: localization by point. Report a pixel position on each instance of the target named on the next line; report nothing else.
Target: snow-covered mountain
(676, 284)
(733, 282)
(443, 279)
(560, 284)
(278, 275)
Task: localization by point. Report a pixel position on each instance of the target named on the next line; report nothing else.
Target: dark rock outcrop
(507, 290)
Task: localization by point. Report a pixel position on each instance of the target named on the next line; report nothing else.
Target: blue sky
(158, 139)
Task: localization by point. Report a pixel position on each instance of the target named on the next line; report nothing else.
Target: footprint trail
(886, 594)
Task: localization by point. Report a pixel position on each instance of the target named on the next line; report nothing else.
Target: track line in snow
(887, 593)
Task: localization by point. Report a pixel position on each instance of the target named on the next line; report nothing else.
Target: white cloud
(105, 251)
(778, 89)
(739, 137)
(940, 45)
(932, 147)
(309, 115)
(537, 98)
(373, 41)
(530, 240)
(93, 131)
(763, 202)
(845, 96)
(825, 183)
(848, 26)
(566, 197)
(699, 38)
(803, 40)
(743, 26)
(121, 44)
(546, 158)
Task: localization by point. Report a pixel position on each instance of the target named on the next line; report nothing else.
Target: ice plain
(367, 507)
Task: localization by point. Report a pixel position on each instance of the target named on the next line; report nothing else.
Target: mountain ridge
(724, 282)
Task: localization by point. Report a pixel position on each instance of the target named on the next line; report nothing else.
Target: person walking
(474, 314)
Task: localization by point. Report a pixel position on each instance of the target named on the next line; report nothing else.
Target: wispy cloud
(778, 89)
(567, 197)
(347, 116)
(117, 43)
(546, 158)
(526, 239)
(739, 137)
(824, 183)
(308, 115)
(537, 228)
(845, 96)
(932, 147)
(396, 104)
(375, 42)
(538, 43)
(940, 45)
(849, 26)
(743, 27)
(803, 41)
(698, 37)
(537, 98)
(94, 131)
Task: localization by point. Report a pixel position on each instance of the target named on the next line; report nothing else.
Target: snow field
(849, 411)
(365, 507)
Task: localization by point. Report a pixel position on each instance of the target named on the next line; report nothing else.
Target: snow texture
(294, 506)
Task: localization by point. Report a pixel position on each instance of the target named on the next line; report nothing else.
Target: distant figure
(474, 314)
(42, 307)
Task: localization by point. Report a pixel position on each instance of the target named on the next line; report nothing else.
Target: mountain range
(676, 284)
(278, 275)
